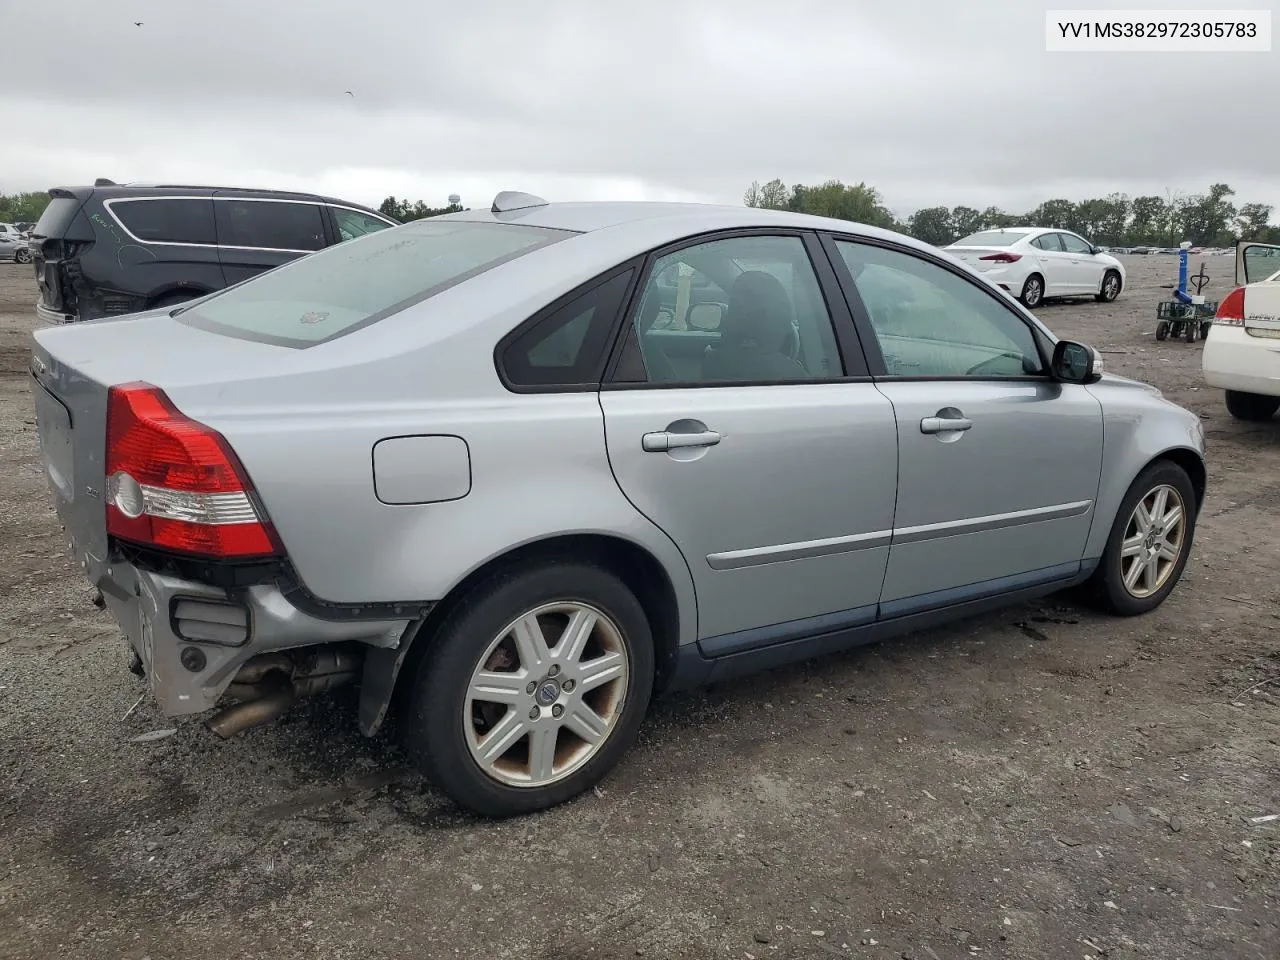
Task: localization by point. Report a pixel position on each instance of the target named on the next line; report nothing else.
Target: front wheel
(1110, 287)
(1251, 406)
(22, 256)
(1032, 291)
(532, 689)
(1149, 543)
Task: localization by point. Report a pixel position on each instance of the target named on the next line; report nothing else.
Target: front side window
(170, 220)
(353, 223)
(351, 285)
(1073, 244)
(737, 310)
(270, 225)
(930, 322)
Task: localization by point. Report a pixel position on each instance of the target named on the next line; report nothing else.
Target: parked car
(1242, 351)
(14, 247)
(1035, 263)
(109, 250)
(460, 462)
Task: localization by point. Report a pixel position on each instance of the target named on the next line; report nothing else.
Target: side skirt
(750, 651)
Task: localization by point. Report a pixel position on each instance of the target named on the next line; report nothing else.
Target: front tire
(532, 689)
(1110, 287)
(1032, 291)
(22, 256)
(1150, 542)
(1251, 406)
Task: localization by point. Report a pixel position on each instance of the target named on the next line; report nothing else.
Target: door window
(170, 220)
(567, 347)
(737, 310)
(930, 322)
(353, 223)
(1049, 241)
(270, 225)
(1073, 244)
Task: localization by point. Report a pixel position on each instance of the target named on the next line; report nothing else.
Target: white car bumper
(1236, 360)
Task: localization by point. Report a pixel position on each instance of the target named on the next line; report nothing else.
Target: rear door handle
(664, 440)
(944, 424)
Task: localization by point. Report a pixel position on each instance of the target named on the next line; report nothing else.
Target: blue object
(1184, 256)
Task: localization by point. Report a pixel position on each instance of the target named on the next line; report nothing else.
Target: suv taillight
(1231, 309)
(175, 484)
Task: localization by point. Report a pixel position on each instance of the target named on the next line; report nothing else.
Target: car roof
(679, 219)
(140, 190)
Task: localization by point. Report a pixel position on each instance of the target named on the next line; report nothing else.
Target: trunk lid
(1262, 309)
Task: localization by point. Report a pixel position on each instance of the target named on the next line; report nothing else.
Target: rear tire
(487, 671)
(22, 256)
(1110, 287)
(1251, 406)
(1162, 330)
(1032, 294)
(1161, 546)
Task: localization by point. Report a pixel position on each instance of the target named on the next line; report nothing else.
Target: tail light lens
(1002, 257)
(176, 484)
(1231, 309)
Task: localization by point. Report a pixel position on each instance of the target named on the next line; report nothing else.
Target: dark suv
(111, 249)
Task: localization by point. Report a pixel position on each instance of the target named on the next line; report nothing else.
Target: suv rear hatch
(61, 234)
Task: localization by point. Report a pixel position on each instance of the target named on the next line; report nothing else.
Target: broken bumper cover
(164, 617)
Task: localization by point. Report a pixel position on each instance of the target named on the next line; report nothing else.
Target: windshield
(991, 238)
(351, 285)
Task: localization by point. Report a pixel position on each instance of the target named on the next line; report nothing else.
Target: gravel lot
(1040, 783)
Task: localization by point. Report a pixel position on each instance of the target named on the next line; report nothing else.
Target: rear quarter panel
(1139, 425)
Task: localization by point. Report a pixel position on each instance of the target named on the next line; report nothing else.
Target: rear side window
(567, 346)
(174, 220)
(270, 224)
(351, 285)
(57, 217)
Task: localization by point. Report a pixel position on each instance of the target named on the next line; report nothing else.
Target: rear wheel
(532, 689)
(1162, 330)
(22, 255)
(1032, 291)
(1149, 543)
(1110, 287)
(1251, 406)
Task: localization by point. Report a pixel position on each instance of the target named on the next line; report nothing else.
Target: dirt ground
(1041, 783)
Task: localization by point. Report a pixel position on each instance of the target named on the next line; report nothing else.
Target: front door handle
(944, 424)
(664, 440)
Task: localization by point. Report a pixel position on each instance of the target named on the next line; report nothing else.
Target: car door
(998, 465)
(1256, 261)
(1053, 264)
(760, 447)
(1084, 269)
(256, 234)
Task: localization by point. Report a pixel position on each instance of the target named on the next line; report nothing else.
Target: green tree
(22, 207)
(1059, 214)
(1206, 218)
(993, 218)
(965, 220)
(932, 225)
(1252, 221)
(404, 211)
(857, 202)
(769, 196)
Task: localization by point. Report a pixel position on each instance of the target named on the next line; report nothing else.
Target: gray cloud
(932, 102)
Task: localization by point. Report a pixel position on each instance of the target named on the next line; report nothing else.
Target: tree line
(1208, 219)
(404, 211)
(22, 207)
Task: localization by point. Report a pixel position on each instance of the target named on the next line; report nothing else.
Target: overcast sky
(931, 101)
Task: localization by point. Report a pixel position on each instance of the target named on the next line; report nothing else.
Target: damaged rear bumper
(194, 639)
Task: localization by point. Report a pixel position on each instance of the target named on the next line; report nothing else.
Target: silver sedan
(514, 471)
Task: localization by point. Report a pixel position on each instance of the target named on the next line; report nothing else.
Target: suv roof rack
(515, 200)
(104, 182)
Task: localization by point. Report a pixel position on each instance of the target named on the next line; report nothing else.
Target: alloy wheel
(1153, 541)
(546, 694)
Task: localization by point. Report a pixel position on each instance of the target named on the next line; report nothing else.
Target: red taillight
(1002, 257)
(1231, 309)
(176, 484)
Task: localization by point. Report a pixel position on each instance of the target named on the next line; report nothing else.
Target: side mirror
(1075, 363)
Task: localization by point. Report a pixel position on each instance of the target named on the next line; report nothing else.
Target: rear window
(351, 285)
(991, 238)
(169, 220)
(57, 217)
(270, 225)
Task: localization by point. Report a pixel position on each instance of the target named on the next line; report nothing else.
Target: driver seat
(756, 334)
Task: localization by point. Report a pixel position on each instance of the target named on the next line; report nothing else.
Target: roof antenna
(515, 200)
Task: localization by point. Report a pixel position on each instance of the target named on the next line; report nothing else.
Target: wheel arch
(190, 290)
(634, 564)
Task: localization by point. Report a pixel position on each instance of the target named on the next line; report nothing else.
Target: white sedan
(1242, 352)
(1034, 263)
